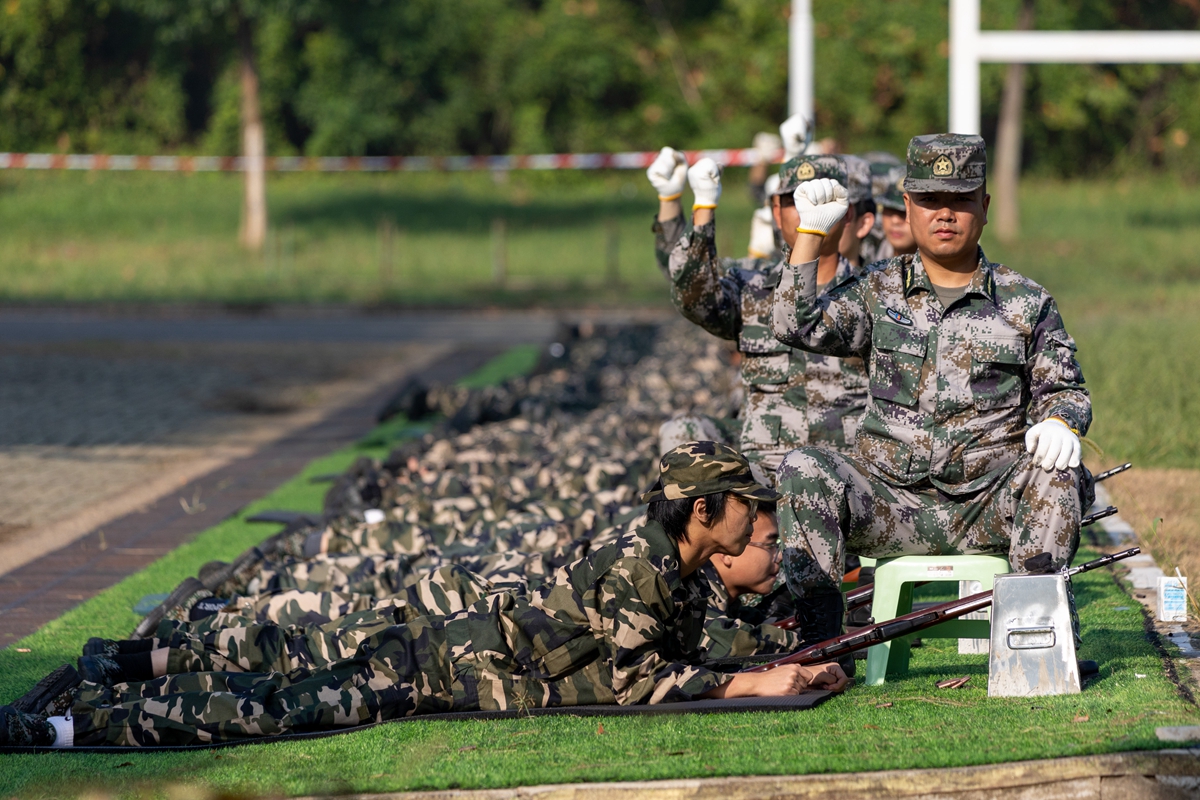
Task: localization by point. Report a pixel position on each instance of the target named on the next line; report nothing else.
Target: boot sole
(63, 679)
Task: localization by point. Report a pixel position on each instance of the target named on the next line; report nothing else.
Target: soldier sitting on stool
(970, 442)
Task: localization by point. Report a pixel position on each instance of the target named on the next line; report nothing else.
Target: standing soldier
(963, 356)
(792, 398)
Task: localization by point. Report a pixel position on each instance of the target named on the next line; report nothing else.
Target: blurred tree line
(498, 76)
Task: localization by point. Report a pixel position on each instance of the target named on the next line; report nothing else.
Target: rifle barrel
(1099, 515)
(1108, 473)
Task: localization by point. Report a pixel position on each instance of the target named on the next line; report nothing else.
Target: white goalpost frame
(969, 47)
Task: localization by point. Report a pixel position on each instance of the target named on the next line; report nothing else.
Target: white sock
(64, 728)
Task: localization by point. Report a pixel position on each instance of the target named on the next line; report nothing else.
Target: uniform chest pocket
(897, 356)
(767, 372)
(997, 371)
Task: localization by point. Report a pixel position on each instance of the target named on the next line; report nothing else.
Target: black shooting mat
(799, 702)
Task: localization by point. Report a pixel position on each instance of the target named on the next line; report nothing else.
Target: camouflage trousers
(357, 574)
(399, 671)
(832, 505)
(443, 591)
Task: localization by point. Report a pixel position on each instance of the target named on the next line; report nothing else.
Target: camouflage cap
(807, 168)
(892, 195)
(858, 175)
(697, 469)
(946, 162)
(881, 165)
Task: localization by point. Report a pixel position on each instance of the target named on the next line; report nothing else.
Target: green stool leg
(891, 599)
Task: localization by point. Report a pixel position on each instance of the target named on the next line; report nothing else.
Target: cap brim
(959, 186)
(887, 202)
(758, 492)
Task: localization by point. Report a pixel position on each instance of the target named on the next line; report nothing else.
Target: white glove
(771, 185)
(762, 233)
(794, 132)
(822, 205)
(766, 147)
(705, 178)
(1053, 444)
(668, 173)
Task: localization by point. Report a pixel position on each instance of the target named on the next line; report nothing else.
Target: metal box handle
(1035, 637)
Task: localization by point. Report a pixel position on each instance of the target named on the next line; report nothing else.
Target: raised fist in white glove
(766, 147)
(705, 179)
(1053, 444)
(822, 204)
(794, 132)
(668, 173)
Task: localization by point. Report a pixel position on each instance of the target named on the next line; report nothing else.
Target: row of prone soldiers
(928, 403)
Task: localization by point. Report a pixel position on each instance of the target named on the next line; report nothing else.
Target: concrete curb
(1146, 775)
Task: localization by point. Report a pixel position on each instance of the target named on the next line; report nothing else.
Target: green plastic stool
(894, 579)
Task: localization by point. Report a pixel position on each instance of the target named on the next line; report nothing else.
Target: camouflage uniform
(619, 626)
(732, 630)
(941, 464)
(793, 398)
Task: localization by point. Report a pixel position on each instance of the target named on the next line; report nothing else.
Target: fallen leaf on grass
(600, 729)
(1081, 718)
(884, 705)
(22, 649)
(872, 727)
(468, 747)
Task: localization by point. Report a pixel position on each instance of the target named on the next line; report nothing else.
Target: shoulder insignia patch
(896, 316)
(943, 167)
(805, 172)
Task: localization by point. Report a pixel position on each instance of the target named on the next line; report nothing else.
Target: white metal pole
(964, 66)
(800, 59)
(1088, 47)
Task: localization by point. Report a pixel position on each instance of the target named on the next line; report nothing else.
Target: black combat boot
(821, 617)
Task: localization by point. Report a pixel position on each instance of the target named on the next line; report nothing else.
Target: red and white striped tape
(728, 158)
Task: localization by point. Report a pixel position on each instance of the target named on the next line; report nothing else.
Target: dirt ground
(1163, 506)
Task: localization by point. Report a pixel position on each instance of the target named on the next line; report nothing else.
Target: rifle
(1108, 473)
(880, 632)
(861, 596)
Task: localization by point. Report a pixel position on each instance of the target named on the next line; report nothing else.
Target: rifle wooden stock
(881, 632)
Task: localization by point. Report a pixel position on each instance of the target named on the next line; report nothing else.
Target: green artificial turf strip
(923, 727)
(519, 360)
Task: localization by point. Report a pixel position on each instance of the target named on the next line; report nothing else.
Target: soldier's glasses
(772, 548)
